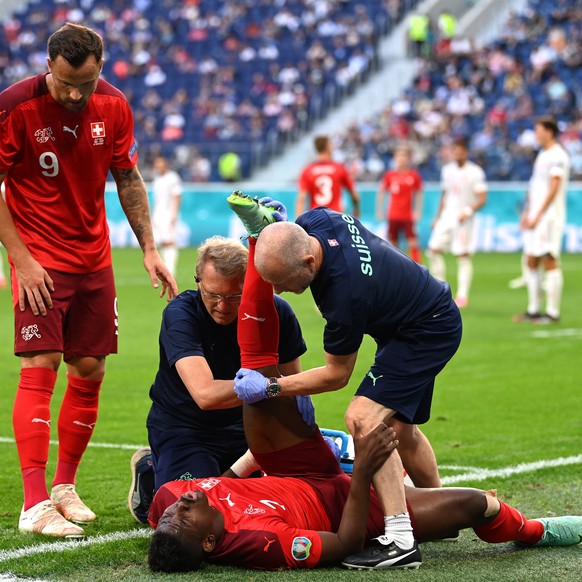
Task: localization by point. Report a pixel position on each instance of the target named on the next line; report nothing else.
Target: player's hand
(159, 272)
(250, 386)
(372, 450)
(280, 213)
(305, 407)
(34, 285)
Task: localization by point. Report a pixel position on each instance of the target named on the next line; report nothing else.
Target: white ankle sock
(399, 529)
(554, 284)
(534, 291)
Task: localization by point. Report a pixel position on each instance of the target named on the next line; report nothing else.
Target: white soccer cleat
(69, 504)
(44, 519)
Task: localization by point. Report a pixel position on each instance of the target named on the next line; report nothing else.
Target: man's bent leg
(397, 548)
(417, 454)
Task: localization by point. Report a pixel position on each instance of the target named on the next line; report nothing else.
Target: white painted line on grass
(96, 445)
(9, 577)
(459, 468)
(64, 546)
(481, 474)
(557, 333)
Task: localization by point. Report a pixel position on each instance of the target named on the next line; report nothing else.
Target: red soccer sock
(76, 422)
(510, 525)
(31, 419)
(258, 320)
(415, 254)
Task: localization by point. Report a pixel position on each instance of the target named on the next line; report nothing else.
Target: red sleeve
(10, 148)
(124, 146)
(348, 181)
(274, 547)
(304, 180)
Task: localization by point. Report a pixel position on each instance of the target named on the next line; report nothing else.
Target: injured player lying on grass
(306, 512)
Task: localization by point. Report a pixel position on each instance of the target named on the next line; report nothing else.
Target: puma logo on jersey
(47, 422)
(374, 378)
(268, 544)
(73, 131)
(247, 316)
(89, 426)
(228, 500)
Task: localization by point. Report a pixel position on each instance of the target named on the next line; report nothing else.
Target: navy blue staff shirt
(366, 285)
(188, 330)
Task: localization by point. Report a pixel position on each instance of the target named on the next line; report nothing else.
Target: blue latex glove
(305, 407)
(280, 213)
(250, 386)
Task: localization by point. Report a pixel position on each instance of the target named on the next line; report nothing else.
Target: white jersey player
(543, 222)
(167, 190)
(464, 191)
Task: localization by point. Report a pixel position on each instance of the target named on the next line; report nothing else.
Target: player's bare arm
(134, 201)
(334, 375)
(469, 211)
(418, 203)
(34, 283)
(355, 203)
(554, 188)
(300, 204)
(372, 451)
(380, 195)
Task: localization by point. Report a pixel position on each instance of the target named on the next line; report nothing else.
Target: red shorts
(395, 227)
(82, 322)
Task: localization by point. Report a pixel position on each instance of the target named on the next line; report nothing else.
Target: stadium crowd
(490, 95)
(206, 77)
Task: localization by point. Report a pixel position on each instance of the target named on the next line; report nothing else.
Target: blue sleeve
(344, 330)
(180, 334)
(291, 342)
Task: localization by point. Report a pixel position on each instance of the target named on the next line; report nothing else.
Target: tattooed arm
(134, 201)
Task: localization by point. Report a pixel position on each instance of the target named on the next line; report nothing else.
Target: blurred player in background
(167, 190)
(321, 182)
(404, 188)
(464, 191)
(543, 221)
(62, 132)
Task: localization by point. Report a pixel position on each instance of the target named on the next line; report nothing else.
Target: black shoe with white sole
(382, 554)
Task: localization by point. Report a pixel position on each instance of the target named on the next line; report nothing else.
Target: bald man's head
(287, 257)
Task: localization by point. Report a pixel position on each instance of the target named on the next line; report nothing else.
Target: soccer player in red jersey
(323, 181)
(403, 185)
(61, 133)
(306, 512)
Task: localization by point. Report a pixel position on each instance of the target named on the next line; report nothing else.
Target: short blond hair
(228, 257)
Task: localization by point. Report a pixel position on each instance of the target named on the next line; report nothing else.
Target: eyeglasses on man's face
(217, 297)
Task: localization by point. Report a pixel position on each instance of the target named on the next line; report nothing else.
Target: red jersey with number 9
(56, 164)
(323, 181)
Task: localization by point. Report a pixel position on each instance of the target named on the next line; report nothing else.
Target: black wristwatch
(273, 387)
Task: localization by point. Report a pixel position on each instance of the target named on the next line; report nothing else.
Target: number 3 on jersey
(49, 163)
(324, 194)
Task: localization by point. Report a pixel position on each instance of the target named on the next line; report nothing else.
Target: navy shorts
(403, 374)
(181, 455)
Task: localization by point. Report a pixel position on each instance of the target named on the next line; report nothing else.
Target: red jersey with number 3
(402, 187)
(323, 181)
(57, 164)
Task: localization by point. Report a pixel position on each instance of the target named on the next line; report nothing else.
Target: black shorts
(403, 374)
(182, 454)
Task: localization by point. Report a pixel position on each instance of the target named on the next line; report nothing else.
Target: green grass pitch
(511, 395)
